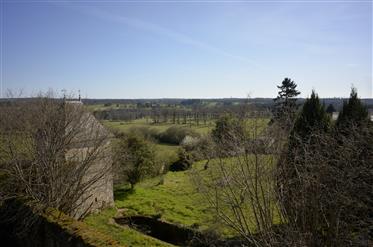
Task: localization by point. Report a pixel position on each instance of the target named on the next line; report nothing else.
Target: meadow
(172, 198)
(126, 126)
(165, 153)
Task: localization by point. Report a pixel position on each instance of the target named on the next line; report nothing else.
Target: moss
(79, 229)
(103, 222)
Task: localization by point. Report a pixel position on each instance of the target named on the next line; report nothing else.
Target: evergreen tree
(312, 117)
(353, 111)
(312, 122)
(330, 109)
(355, 130)
(285, 103)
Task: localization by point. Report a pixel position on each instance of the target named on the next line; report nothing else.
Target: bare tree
(331, 205)
(240, 183)
(52, 154)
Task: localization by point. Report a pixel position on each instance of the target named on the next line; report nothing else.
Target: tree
(323, 163)
(330, 109)
(53, 153)
(241, 188)
(354, 128)
(312, 117)
(135, 157)
(328, 200)
(353, 111)
(183, 163)
(227, 129)
(285, 103)
(294, 164)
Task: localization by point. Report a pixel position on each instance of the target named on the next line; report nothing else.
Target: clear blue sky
(198, 49)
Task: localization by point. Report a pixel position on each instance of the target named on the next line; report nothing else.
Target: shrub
(228, 134)
(184, 163)
(135, 157)
(147, 133)
(175, 135)
(198, 148)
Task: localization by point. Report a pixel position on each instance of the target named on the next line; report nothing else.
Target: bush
(198, 148)
(147, 133)
(229, 133)
(135, 157)
(184, 163)
(175, 135)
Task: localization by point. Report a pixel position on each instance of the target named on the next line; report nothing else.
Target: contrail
(162, 31)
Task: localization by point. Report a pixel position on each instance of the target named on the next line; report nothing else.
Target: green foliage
(199, 148)
(150, 134)
(312, 117)
(125, 127)
(184, 161)
(136, 157)
(227, 129)
(353, 111)
(175, 135)
(311, 122)
(173, 198)
(285, 103)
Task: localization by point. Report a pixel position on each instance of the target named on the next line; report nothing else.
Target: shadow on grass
(122, 192)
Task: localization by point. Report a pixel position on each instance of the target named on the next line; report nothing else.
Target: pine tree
(312, 117)
(293, 166)
(355, 130)
(285, 103)
(353, 111)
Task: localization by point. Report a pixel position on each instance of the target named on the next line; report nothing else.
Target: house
(99, 194)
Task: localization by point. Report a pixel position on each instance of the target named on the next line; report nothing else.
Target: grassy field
(165, 153)
(172, 198)
(126, 126)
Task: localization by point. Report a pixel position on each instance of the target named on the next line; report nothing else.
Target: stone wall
(100, 194)
(52, 229)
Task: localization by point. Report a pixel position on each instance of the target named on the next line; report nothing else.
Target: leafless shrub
(239, 184)
(329, 200)
(330, 181)
(51, 154)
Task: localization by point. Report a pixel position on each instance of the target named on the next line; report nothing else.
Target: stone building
(99, 195)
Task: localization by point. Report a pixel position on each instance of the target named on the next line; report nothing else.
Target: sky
(186, 48)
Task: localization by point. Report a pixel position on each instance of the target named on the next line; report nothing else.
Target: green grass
(160, 127)
(165, 153)
(172, 197)
(174, 200)
(126, 236)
